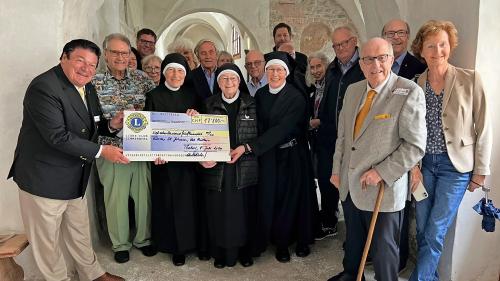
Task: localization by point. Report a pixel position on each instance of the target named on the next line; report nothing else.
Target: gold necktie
(81, 91)
(363, 112)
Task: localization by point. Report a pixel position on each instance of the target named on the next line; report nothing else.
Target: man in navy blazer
(55, 150)
(203, 77)
(407, 66)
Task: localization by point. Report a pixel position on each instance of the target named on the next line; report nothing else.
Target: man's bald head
(254, 64)
(376, 58)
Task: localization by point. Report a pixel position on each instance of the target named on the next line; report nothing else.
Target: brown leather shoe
(109, 277)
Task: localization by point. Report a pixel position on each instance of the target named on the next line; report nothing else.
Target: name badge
(97, 118)
(401, 91)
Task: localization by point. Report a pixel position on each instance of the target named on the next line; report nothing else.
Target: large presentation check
(175, 136)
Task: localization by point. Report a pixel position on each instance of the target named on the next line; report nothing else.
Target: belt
(291, 143)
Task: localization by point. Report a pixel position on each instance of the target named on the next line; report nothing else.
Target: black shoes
(344, 276)
(148, 250)
(203, 256)
(122, 256)
(219, 263)
(282, 255)
(246, 261)
(178, 260)
(326, 232)
(302, 251)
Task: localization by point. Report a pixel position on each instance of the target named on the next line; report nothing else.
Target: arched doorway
(228, 34)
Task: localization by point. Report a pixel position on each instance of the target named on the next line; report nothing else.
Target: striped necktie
(363, 112)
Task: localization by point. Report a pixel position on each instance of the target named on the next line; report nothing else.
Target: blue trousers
(446, 188)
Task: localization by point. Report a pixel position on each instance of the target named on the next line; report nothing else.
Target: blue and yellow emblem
(136, 122)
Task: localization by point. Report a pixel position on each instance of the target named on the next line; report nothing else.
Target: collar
(353, 59)
(400, 59)
(276, 90)
(379, 87)
(108, 74)
(206, 71)
(171, 88)
(231, 100)
(261, 82)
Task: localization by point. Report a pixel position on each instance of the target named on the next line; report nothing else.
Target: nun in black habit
(230, 188)
(286, 197)
(174, 199)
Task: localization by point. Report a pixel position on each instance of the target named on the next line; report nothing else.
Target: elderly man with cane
(382, 134)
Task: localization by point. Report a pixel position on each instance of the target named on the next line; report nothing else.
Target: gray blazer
(392, 140)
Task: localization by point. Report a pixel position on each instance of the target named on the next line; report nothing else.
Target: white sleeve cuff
(99, 152)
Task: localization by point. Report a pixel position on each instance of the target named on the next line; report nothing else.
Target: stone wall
(312, 22)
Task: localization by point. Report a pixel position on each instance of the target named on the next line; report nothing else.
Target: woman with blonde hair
(223, 58)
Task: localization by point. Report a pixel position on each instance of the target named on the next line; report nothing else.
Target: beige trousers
(46, 222)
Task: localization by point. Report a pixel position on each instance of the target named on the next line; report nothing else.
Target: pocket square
(382, 116)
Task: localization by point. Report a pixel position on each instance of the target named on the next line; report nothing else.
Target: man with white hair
(204, 75)
(382, 135)
(120, 88)
(342, 72)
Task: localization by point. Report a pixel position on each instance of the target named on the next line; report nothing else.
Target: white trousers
(46, 222)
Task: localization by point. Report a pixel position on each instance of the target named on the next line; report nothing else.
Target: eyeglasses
(369, 60)
(226, 79)
(400, 33)
(116, 53)
(342, 44)
(278, 69)
(146, 42)
(151, 69)
(254, 63)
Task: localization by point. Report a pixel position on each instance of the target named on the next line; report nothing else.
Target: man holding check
(382, 134)
(55, 150)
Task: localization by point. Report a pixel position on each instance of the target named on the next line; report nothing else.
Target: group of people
(353, 124)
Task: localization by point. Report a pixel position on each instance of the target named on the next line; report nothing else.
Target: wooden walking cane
(376, 209)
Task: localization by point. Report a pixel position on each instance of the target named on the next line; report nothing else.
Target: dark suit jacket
(331, 104)
(57, 140)
(410, 67)
(200, 84)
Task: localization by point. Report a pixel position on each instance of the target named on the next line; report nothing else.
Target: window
(236, 40)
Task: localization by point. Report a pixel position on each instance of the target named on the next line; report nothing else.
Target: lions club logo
(136, 122)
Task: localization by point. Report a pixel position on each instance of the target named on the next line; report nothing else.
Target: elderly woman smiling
(230, 187)
(285, 197)
(152, 66)
(459, 141)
